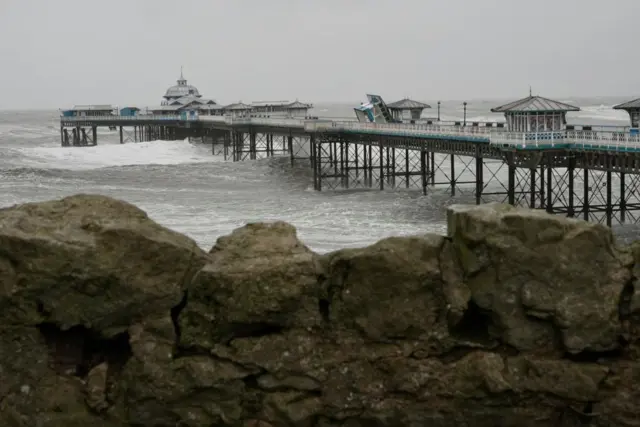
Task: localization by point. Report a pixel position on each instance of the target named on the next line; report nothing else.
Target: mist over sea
(183, 186)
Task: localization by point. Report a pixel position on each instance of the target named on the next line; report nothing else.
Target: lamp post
(438, 110)
(464, 123)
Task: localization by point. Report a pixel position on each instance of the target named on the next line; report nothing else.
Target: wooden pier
(536, 161)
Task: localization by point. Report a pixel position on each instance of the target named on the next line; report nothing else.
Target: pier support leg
(432, 167)
(291, 153)
(392, 166)
(479, 176)
(623, 199)
(543, 200)
(62, 136)
(549, 204)
(316, 156)
(346, 167)
(452, 179)
(609, 201)
(407, 174)
(381, 155)
(511, 184)
(314, 165)
(571, 212)
(121, 136)
(371, 165)
(94, 131)
(424, 171)
(227, 143)
(586, 196)
(532, 188)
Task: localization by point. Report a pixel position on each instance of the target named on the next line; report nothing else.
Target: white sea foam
(110, 155)
(600, 112)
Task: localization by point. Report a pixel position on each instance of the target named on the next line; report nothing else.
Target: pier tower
(180, 90)
(633, 108)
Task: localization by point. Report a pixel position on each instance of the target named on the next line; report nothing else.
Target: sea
(181, 185)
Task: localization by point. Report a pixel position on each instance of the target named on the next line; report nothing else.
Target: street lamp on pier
(438, 110)
(464, 123)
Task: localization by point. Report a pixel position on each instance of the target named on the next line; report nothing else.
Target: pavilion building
(535, 114)
(183, 97)
(633, 109)
(407, 109)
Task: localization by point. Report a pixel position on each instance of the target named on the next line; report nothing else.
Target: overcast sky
(56, 53)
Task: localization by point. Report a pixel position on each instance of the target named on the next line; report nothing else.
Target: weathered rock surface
(516, 318)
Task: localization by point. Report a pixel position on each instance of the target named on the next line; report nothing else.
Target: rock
(75, 274)
(541, 276)
(96, 388)
(91, 261)
(261, 279)
(390, 290)
(516, 318)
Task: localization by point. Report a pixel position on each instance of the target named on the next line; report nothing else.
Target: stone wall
(516, 318)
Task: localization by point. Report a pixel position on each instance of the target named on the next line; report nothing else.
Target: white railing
(215, 119)
(604, 140)
(118, 118)
(530, 139)
(401, 129)
(277, 121)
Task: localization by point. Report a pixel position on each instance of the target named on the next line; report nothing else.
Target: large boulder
(261, 279)
(89, 260)
(75, 274)
(541, 277)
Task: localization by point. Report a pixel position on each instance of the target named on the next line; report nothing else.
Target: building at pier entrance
(180, 90)
(185, 98)
(89, 111)
(535, 114)
(633, 108)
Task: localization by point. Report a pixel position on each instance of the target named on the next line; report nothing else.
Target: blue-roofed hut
(535, 114)
(129, 111)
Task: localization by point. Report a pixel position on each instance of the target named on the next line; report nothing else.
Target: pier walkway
(577, 171)
(601, 140)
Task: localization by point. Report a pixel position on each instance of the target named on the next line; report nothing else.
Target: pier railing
(425, 131)
(119, 118)
(530, 140)
(574, 139)
(603, 140)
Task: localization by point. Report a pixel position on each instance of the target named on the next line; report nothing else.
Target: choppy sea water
(183, 186)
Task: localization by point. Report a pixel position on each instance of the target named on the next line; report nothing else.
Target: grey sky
(56, 53)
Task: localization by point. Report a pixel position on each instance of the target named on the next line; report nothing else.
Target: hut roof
(103, 107)
(628, 105)
(238, 106)
(298, 104)
(407, 104)
(535, 104)
(270, 103)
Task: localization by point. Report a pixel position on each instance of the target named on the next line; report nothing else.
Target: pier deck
(583, 173)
